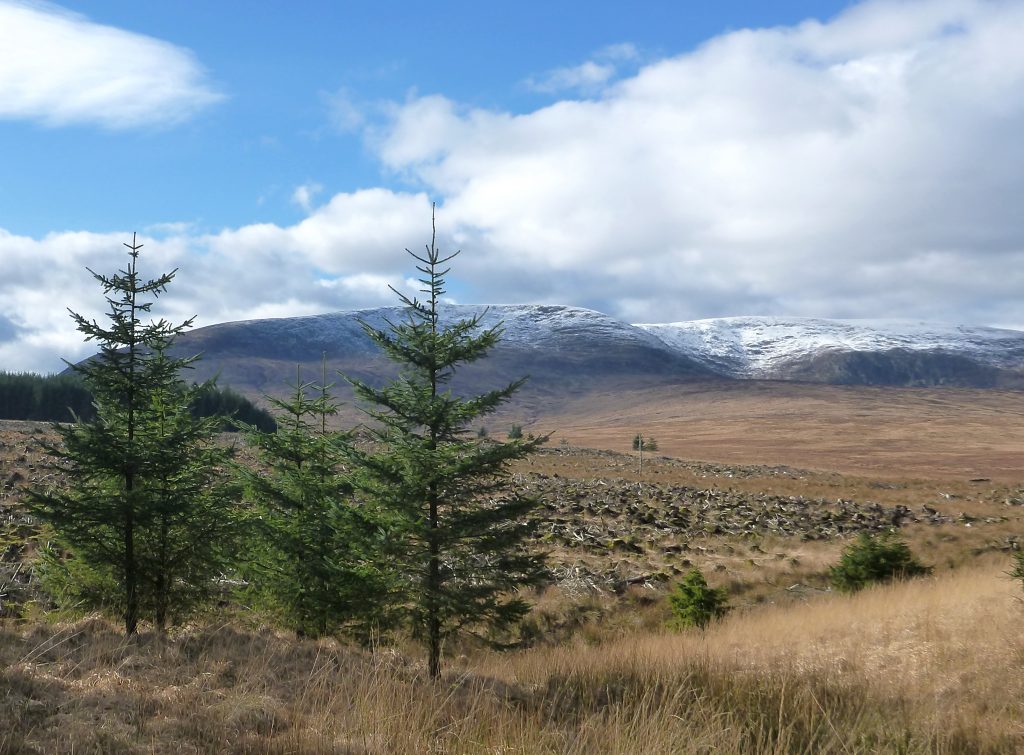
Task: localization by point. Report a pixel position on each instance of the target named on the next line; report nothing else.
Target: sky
(657, 161)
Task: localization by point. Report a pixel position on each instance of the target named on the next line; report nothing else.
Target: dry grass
(942, 433)
(928, 666)
(931, 666)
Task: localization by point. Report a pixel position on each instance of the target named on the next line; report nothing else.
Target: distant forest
(61, 398)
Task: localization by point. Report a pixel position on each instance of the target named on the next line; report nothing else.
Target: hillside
(944, 433)
(567, 351)
(564, 350)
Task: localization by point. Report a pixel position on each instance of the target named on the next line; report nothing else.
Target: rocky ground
(604, 524)
(608, 524)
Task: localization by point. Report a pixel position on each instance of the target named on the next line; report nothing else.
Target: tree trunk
(434, 591)
(131, 600)
(163, 583)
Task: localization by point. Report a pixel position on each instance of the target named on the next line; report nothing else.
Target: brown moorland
(898, 433)
(759, 485)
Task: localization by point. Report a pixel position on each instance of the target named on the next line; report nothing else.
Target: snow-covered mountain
(901, 352)
(568, 350)
(562, 349)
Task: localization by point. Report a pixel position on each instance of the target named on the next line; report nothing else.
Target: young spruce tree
(145, 506)
(316, 562)
(457, 531)
(192, 532)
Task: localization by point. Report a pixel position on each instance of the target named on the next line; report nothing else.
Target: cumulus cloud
(869, 166)
(587, 77)
(862, 167)
(59, 68)
(344, 255)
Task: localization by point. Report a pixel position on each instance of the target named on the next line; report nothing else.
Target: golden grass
(945, 433)
(928, 666)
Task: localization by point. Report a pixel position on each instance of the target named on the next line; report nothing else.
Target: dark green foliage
(316, 560)
(456, 534)
(147, 504)
(74, 583)
(235, 409)
(694, 604)
(647, 444)
(65, 397)
(49, 398)
(515, 432)
(875, 558)
(193, 521)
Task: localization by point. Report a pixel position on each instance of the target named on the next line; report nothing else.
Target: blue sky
(279, 67)
(659, 161)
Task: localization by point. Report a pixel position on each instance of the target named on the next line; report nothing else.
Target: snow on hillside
(755, 347)
(523, 325)
(741, 347)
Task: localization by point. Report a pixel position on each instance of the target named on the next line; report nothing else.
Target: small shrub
(649, 444)
(515, 432)
(694, 604)
(482, 432)
(875, 558)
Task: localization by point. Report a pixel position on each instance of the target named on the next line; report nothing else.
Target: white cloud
(862, 167)
(621, 51)
(60, 68)
(363, 284)
(871, 166)
(343, 256)
(303, 195)
(587, 77)
(345, 115)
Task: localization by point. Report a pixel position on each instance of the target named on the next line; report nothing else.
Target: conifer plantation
(149, 508)
(456, 534)
(64, 398)
(54, 398)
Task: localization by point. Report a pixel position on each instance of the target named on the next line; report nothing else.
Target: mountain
(563, 350)
(567, 351)
(850, 352)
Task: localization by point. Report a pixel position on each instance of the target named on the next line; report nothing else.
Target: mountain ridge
(562, 349)
(866, 351)
(571, 348)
